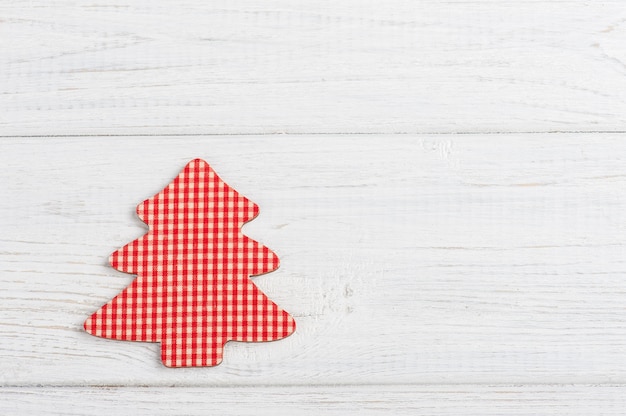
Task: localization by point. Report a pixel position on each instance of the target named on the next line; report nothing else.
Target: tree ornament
(193, 291)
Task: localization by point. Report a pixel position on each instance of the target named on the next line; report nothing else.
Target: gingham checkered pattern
(193, 291)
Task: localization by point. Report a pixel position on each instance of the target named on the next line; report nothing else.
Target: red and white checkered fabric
(193, 291)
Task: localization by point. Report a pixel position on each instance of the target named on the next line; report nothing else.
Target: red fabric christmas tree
(193, 291)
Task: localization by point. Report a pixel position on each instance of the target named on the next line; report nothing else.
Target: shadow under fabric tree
(193, 291)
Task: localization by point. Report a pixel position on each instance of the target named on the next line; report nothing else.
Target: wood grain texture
(421, 259)
(470, 400)
(480, 272)
(198, 67)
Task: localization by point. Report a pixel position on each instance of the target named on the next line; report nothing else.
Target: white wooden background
(444, 182)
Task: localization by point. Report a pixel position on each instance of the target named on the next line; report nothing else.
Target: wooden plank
(414, 259)
(145, 67)
(310, 400)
